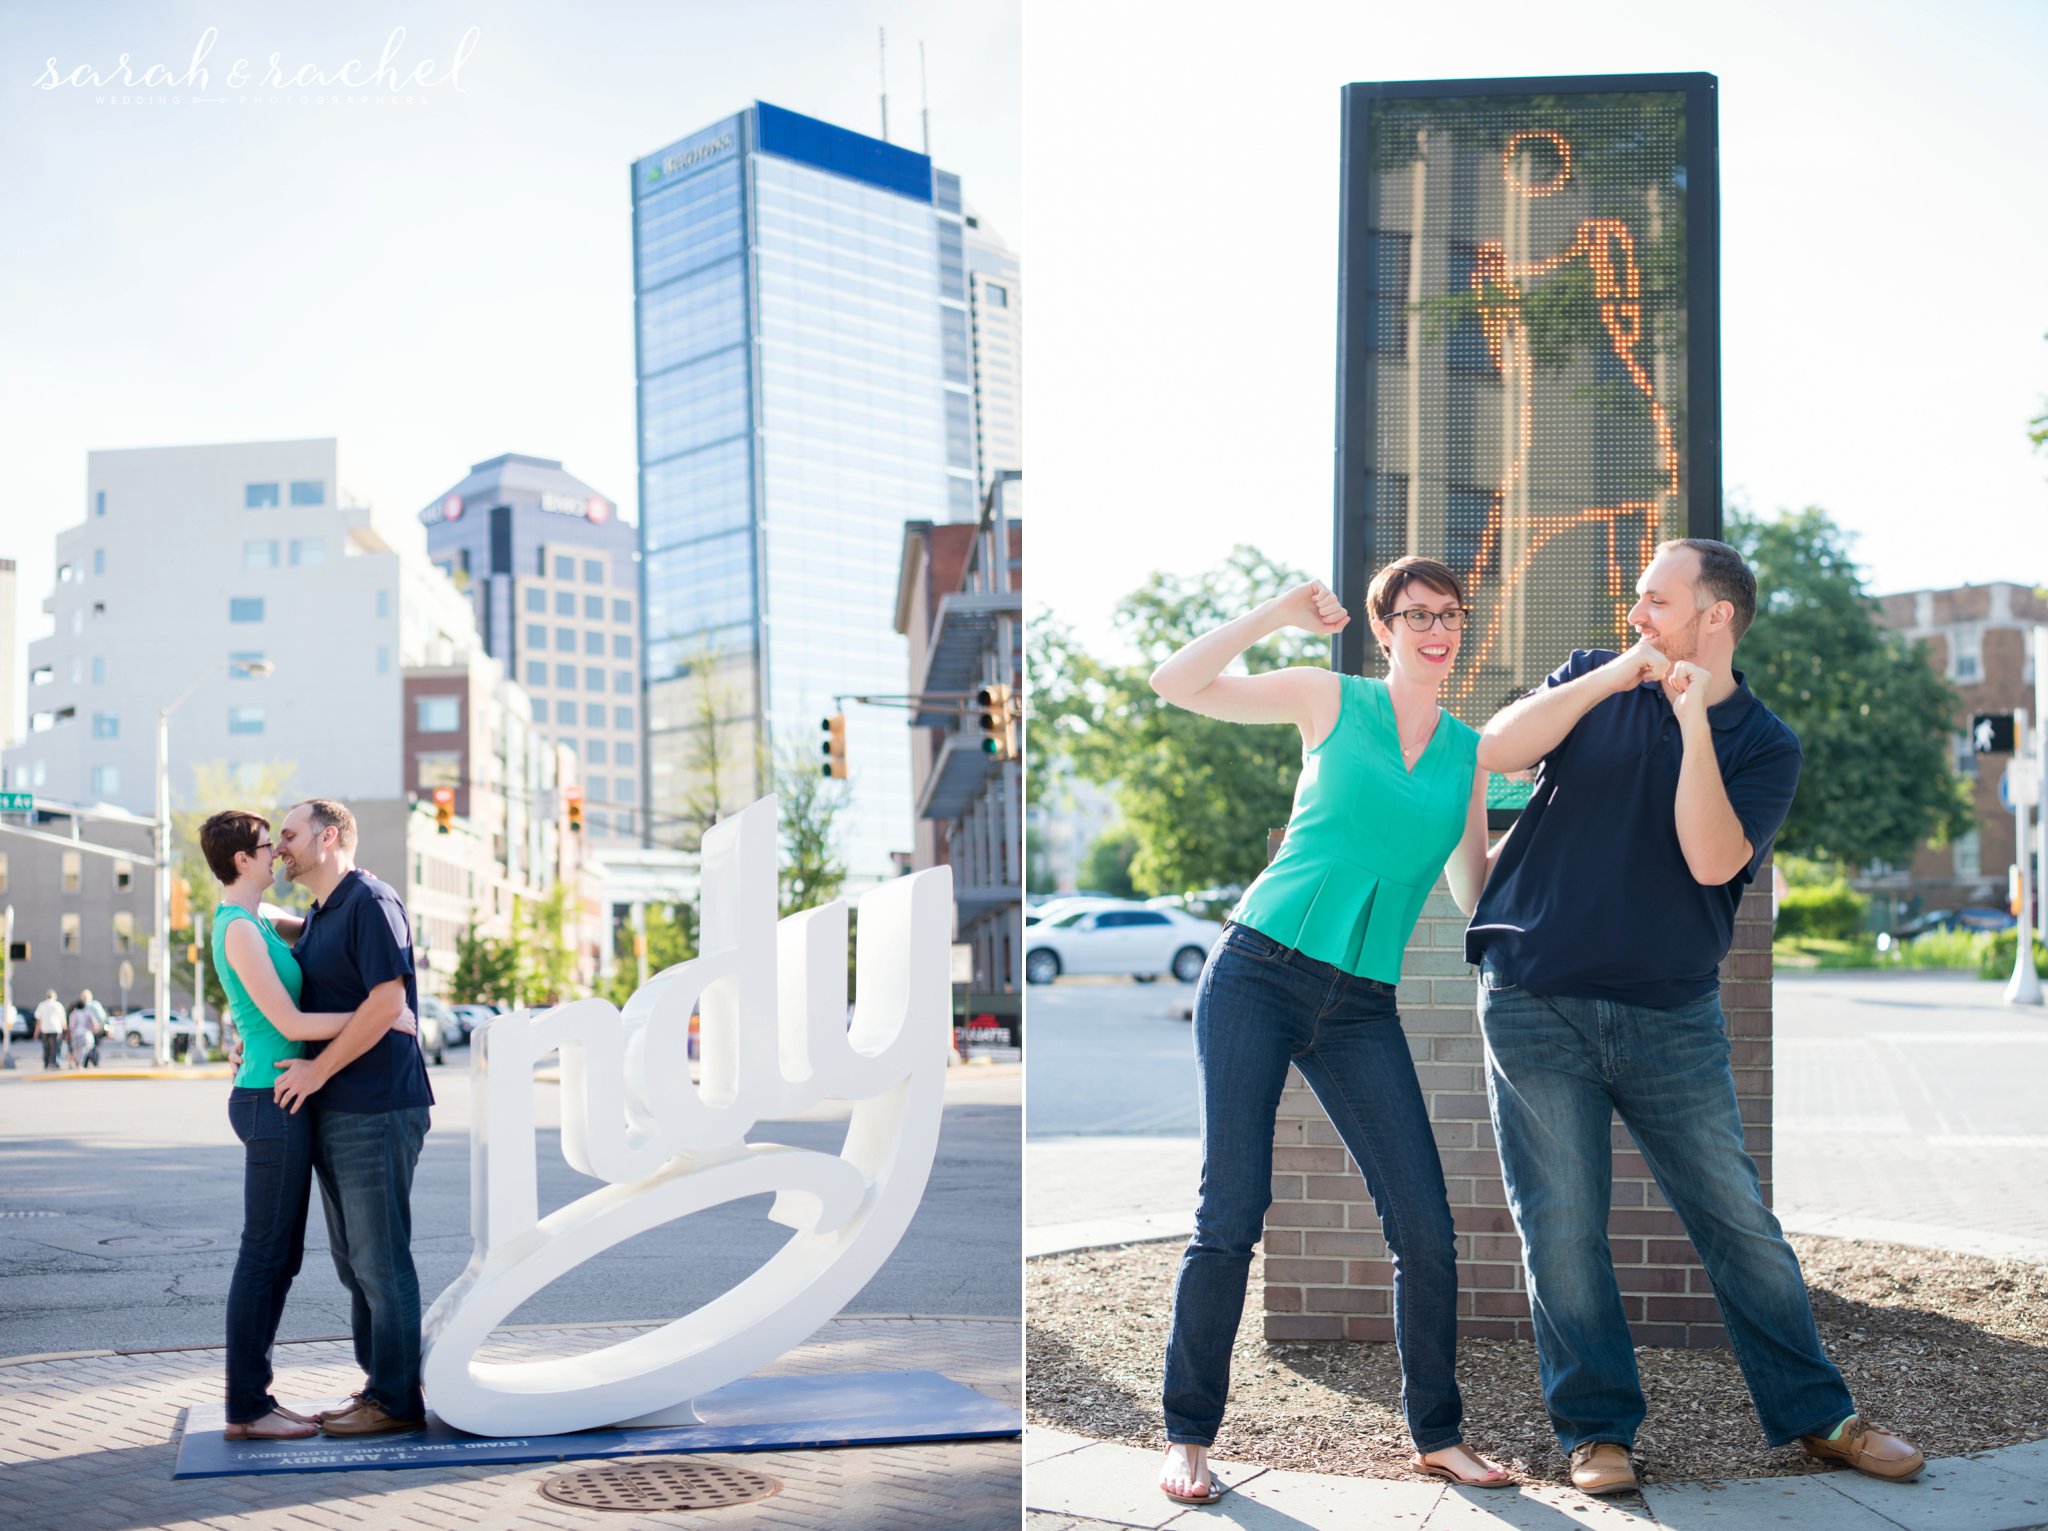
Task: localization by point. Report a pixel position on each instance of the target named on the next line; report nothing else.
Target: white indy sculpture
(774, 1041)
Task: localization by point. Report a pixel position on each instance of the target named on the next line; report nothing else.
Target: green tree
(811, 872)
(486, 970)
(1107, 866)
(671, 938)
(216, 787)
(548, 964)
(1198, 796)
(1873, 717)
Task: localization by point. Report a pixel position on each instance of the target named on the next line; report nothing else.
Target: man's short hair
(221, 836)
(326, 811)
(1723, 576)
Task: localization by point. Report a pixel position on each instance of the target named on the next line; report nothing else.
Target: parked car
(437, 1024)
(138, 1029)
(1982, 918)
(469, 1017)
(1067, 904)
(1119, 938)
(24, 1027)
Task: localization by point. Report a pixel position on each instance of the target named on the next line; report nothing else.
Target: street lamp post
(196, 1053)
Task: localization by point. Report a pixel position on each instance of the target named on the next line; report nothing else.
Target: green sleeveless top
(263, 1045)
(1367, 840)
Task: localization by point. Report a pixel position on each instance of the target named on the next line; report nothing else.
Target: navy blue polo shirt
(354, 940)
(1591, 897)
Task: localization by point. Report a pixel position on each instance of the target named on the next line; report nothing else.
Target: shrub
(1831, 911)
(1999, 954)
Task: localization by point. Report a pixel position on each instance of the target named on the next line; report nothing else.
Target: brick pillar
(1327, 1272)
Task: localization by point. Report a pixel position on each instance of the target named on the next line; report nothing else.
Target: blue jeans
(365, 1162)
(1260, 1007)
(1557, 1070)
(277, 1183)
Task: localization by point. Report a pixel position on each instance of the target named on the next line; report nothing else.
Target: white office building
(995, 310)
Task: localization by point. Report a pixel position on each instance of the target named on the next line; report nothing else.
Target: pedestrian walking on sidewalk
(85, 1047)
(50, 1028)
(1661, 783)
(1305, 975)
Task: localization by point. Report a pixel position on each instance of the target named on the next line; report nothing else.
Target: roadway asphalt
(120, 1203)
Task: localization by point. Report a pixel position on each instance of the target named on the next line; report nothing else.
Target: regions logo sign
(595, 508)
(449, 509)
(683, 159)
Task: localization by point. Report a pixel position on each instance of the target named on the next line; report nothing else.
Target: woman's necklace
(1410, 751)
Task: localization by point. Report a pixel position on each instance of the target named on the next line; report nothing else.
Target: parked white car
(1119, 938)
(469, 1017)
(138, 1029)
(1053, 908)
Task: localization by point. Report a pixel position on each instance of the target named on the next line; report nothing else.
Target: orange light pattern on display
(1550, 136)
(1608, 248)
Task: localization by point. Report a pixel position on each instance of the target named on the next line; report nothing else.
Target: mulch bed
(1949, 1350)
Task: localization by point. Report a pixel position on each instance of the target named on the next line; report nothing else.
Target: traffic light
(835, 746)
(998, 728)
(573, 796)
(444, 809)
(181, 904)
(192, 955)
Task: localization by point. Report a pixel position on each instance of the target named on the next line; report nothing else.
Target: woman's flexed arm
(1302, 695)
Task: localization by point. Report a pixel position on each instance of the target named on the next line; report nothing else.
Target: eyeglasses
(1421, 618)
(266, 845)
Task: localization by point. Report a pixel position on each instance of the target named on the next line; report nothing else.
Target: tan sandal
(1493, 1477)
(284, 1429)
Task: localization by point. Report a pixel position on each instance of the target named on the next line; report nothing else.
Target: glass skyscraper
(804, 390)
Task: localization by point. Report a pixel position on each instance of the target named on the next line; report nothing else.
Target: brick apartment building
(1978, 636)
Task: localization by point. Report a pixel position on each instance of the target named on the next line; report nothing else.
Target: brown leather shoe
(321, 1416)
(1868, 1451)
(368, 1418)
(1602, 1467)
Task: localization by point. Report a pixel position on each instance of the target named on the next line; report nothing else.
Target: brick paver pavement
(87, 1443)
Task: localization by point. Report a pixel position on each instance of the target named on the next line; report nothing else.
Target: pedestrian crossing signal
(181, 904)
(835, 746)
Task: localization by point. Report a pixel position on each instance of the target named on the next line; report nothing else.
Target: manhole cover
(31, 1214)
(156, 1241)
(660, 1486)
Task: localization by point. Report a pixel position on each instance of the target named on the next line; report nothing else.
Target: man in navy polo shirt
(369, 1094)
(1661, 781)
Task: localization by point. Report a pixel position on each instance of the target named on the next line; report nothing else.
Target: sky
(1884, 183)
(433, 281)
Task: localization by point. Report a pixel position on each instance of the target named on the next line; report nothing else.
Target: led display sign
(1528, 376)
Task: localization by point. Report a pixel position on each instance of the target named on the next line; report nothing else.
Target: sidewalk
(87, 1443)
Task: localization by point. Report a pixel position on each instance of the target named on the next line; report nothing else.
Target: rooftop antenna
(924, 100)
(882, 49)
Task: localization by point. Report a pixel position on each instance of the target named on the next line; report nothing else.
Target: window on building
(309, 491)
(442, 768)
(593, 643)
(565, 639)
(438, 714)
(383, 659)
(565, 714)
(99, 670)
(106, 781)
(565, 676)
(383, 603)
(624, 790)
(99, 560)
(1969, 854)
(536, 599)
(259, 496)
(593, 608)
(68, 927)
(245, 720)
(124, 877)
(593, 679)
(240, 661)
(594, 790)
(565, 603)
(622, 717)
(571, 745)
(536, 635)
(72, 870)
(593, 714)
(1964, 749)
(245, 608)
(124, 931)
(1966, 653)
(106, 725)
(565, 568)
(99, 502)
(536, 673)
(996, 295)
(594, 752)
(593, 571)
(622, 646)
(622, 752)
(622, 682)
(308, 551)
(259, 553)
(599, 823)
(622, 611)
